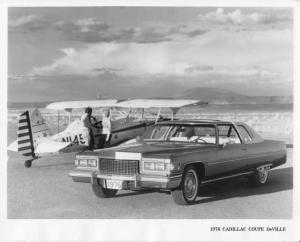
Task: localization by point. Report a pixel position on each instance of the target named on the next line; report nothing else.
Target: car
(179, 156)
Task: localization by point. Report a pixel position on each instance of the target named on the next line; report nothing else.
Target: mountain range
(224, 96)
(217, 96)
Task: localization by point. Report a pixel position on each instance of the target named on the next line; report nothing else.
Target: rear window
(245, 134)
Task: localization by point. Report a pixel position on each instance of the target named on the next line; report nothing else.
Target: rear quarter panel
(266, 152)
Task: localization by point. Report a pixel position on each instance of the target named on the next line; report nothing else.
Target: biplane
(34, 139)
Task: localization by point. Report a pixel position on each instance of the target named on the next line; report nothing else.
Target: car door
(230, 154)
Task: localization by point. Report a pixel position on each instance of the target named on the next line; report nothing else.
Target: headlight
(149, 166)
(157, 165)
(92, 163)
(86, 162)
(83, 163)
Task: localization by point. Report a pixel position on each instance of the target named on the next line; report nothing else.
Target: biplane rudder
(31, 130)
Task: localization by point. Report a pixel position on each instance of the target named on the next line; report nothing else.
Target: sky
(73, 53)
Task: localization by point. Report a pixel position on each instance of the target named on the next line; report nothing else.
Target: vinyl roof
(196, 121)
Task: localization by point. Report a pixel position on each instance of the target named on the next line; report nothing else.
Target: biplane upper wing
(158, 103)
(65, 105)
(134, 103)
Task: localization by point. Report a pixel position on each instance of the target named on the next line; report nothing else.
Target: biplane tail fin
(31, 130)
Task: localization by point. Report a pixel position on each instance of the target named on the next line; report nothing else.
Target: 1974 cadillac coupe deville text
(179, 156)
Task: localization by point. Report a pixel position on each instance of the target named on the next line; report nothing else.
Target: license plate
(111, 184)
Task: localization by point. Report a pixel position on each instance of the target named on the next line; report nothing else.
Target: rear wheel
(99, 191)
(188, 189)
(260, 177)
(28, 163)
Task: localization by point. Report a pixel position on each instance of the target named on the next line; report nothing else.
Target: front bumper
(139, 181)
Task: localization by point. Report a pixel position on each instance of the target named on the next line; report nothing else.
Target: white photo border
(143, 229)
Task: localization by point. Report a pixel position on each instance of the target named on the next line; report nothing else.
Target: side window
(206, 134)
(245, 134)
(177, 131)
(159, 131)
(228, 134)
(205, 131)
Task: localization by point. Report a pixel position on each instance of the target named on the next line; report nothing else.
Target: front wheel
(187, 192)
(260, 177)
(99, 191)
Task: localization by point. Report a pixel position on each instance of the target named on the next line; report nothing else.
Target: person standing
(86, 122)
(106, 129)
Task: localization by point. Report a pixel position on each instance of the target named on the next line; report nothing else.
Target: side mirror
(138, 138)
(222, 145)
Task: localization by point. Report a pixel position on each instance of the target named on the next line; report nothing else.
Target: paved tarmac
(46, 191)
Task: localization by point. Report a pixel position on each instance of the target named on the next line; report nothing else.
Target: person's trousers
(92, 140)
(103, 143)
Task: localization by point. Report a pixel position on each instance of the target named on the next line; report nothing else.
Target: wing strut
(127, 118)
(69, 110)
(174, 111)
(143, 110)
(58, 118)
(158, 115)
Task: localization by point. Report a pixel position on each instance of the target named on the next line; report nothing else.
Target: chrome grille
(119, 167)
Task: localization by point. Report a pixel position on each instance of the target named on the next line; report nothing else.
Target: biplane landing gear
(28, 163)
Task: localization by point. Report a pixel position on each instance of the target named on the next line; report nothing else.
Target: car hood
(151, 149)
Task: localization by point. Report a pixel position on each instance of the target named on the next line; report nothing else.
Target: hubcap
(190, 185)
(262, 175)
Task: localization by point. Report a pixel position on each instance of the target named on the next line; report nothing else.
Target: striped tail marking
(24, 134)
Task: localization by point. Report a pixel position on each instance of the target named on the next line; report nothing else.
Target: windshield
(199, 133)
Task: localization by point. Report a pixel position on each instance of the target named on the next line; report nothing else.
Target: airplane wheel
(28, 163)
(99, 191)
(187, 192)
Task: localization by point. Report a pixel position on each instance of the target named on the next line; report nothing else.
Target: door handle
(244, 149)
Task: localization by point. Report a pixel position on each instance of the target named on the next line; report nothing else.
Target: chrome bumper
(138, 181)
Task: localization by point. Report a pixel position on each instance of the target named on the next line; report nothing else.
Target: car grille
(119, 167)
